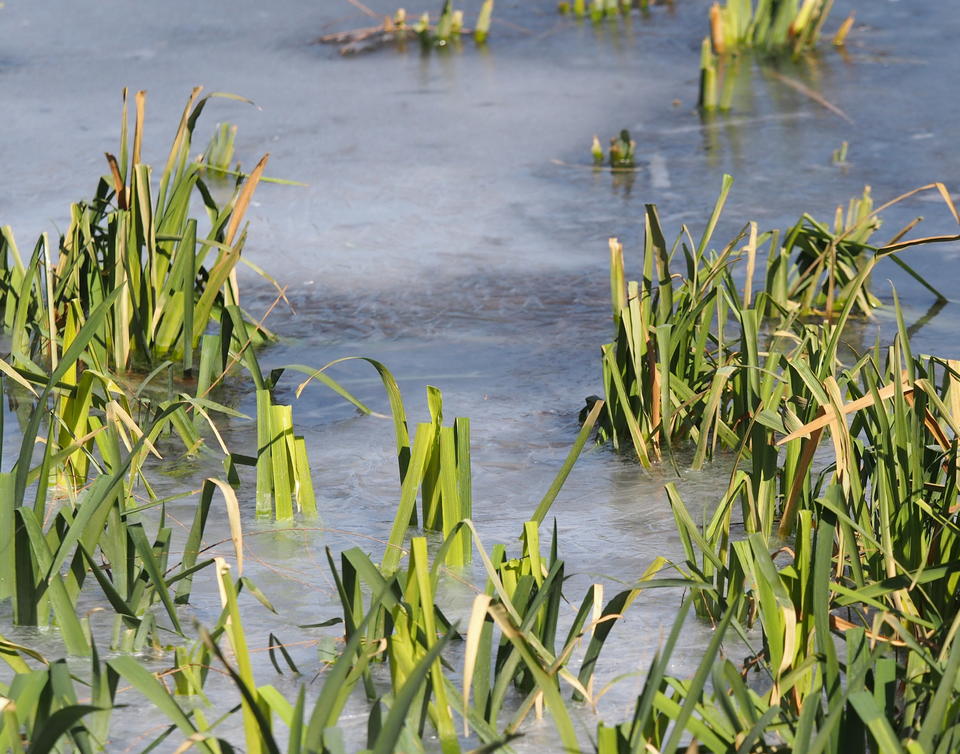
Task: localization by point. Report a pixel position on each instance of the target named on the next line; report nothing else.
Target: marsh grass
(862, 550)
(676, 373)
(97, 474)
(510, 647)
(855, 560)
(44, 710)
(398, 29)
(129, 290)
(772, 26)
(598, 10)
(621, 154)
(878, 690)
(841, 579)
(839, 155)
(283, 469)
(721, 77)
(138, 237)
(742, 32)
(135, 287)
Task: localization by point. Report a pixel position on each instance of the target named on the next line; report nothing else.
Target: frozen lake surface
(453, 229)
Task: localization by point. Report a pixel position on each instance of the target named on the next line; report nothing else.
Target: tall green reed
(772, 26)
(703, 359)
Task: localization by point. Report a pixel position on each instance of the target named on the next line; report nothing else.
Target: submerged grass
(219, 152)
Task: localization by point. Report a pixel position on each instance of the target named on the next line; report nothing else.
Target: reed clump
(134, 286)
(849, 587)
(598, 10)
(691, 363)
(136, 236)
(770, 26)
(846, 570)
(398, 29)
(621, 153)
(765, 29)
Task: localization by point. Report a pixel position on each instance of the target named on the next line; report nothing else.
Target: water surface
(453, 229)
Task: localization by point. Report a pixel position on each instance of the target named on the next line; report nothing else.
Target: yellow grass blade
(243, 201)
(829, 416)
(233, 517)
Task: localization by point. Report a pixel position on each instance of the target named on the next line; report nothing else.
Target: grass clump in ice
(398, 29)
